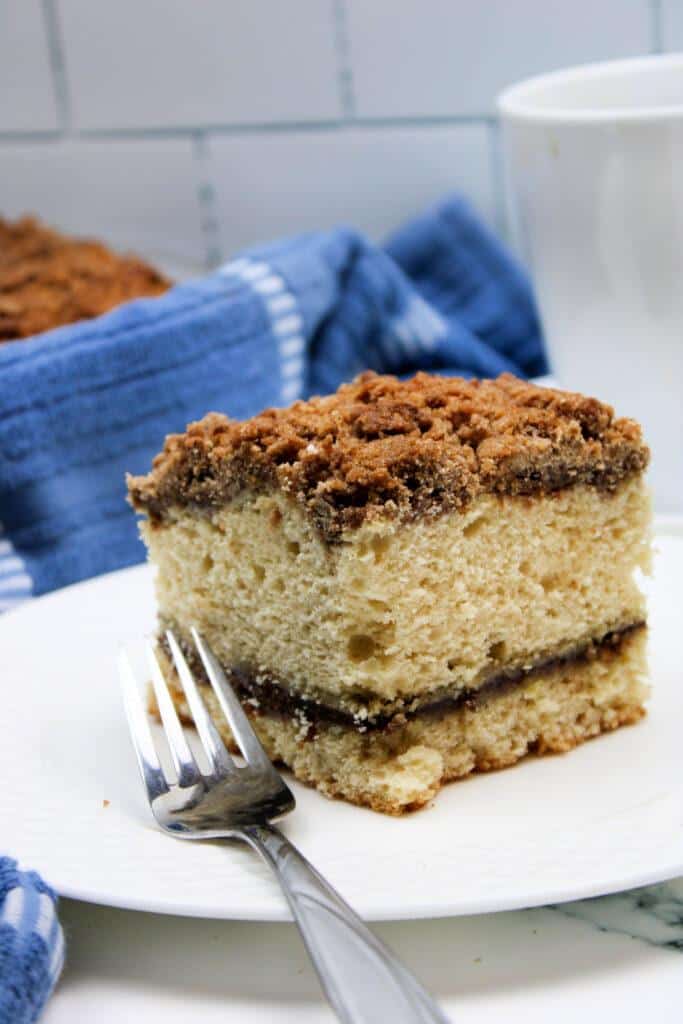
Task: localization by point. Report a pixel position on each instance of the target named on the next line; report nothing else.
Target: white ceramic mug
(595, 158)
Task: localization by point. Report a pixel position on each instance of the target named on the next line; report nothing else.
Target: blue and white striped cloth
(81, 405)
(31, 944)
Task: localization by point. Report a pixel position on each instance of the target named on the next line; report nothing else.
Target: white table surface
(615, 958)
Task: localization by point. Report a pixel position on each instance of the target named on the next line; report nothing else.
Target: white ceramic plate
(606, 817)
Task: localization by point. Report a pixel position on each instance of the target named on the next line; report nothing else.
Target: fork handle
(363, 980)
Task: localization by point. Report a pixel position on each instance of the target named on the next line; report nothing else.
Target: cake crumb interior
(402, 770)
(400, 611)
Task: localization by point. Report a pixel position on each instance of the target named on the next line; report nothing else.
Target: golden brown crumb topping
(384, 447)
(47, 279)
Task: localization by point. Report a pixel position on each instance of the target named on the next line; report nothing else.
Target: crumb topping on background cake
(48, 280)
(380, 446)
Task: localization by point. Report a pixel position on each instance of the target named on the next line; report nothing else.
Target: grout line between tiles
(205, 131)
(207, 206)
(29, 137)
(57, 64)
(656, 27)
(497, 178)
(342, 46)
(280, 128)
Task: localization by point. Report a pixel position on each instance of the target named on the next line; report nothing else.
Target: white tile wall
(27, 100)
(137, 194)
(425, 58)
(189, 129)
(271, 185)
(672, 24)
(165, 63)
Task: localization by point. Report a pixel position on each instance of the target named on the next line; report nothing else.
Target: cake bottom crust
(402, 769)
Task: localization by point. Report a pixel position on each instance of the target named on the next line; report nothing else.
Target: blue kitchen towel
(31, 944)
(83, 404)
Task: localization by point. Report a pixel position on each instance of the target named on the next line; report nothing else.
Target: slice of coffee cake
(410, 581)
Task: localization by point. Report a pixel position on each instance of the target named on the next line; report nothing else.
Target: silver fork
(363, 980)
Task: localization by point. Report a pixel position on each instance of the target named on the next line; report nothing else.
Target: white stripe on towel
(285, 320)
(16, 584)
(57, 958)
(13, 907)
(419, 327)
(46, 915)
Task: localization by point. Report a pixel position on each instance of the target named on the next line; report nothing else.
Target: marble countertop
(617, 957)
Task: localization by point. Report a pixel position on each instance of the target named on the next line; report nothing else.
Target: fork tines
(186, 768)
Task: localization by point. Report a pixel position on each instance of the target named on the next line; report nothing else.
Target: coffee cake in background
(48, 279)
